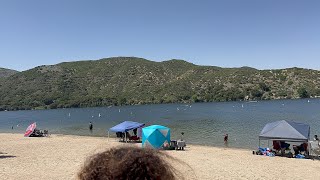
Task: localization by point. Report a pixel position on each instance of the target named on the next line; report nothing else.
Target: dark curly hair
(127, 163)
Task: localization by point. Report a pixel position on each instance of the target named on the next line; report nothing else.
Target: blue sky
(228, 33)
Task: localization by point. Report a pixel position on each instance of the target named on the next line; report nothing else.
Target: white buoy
(69, 114)
(242, 105)
(119, 110)
(308, 101)
(99, 115)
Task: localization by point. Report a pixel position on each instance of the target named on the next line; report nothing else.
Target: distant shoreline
(243, 101)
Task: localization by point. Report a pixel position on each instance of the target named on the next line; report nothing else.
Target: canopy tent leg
(125, 136)
(309, 148)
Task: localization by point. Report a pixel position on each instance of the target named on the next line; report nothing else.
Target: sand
(61, 156)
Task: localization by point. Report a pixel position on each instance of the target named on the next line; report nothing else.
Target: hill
(6, 72)
(131, 80)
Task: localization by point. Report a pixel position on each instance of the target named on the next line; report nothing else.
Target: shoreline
(193, 144)
(146, 104)
(62, 156)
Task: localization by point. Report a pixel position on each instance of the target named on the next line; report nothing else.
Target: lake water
(202, 123)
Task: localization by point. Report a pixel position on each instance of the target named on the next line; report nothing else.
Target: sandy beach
(61, 156)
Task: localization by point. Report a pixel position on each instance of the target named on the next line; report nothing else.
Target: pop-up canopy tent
(155, 136)
(126, 126)
(286, 131)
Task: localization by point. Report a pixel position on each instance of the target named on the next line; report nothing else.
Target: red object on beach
(30, 129)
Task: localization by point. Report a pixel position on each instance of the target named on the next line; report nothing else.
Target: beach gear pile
(300, 156)
(265, 152)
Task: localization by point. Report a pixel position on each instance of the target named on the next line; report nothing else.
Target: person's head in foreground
(127, 163)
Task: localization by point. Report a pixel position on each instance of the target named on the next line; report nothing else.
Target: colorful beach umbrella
(30, 129)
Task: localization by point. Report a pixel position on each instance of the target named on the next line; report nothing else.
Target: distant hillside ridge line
(6, 72)
(132, 80)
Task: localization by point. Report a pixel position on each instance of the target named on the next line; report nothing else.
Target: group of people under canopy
(284, 133)
(154, 136)
(127, 136)
(122, 130)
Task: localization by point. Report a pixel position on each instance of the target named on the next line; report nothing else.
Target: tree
(303, 93)
(264, 87)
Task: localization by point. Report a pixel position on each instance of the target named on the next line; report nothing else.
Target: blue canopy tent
(155, 136)
(285, 131)
(126, 126)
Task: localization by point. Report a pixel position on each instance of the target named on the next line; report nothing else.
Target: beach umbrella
(30, 129)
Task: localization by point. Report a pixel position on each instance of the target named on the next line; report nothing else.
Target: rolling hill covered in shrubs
(131, 80)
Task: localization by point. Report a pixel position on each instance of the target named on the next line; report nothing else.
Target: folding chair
(314, 149)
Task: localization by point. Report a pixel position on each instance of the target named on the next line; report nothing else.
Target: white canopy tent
(285, 131)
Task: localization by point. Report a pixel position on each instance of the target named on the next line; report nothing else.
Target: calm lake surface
(202, 123)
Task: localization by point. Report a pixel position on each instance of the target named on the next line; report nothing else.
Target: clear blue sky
(228, 33)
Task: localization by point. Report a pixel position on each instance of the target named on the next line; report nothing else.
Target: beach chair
(181, 144)
(45, 133)
(120, 135)
(37, 133)
(134, 138)
(276, 146)
(314, 149)
(173, 144)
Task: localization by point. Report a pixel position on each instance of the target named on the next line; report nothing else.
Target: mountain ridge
(4, 72)
(132, 80)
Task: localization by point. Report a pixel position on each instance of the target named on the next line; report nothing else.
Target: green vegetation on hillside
(130, 80)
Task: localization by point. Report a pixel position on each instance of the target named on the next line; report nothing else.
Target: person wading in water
(226, 139)
(90, 126)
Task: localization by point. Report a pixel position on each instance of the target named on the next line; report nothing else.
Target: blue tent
(286, 131)
(155, 136)
(126, 126)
